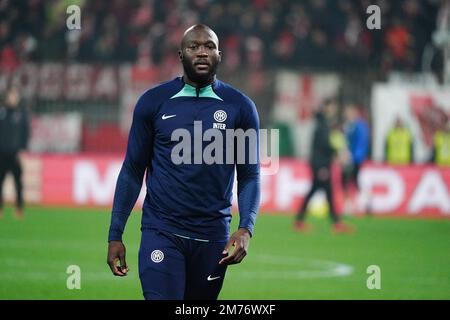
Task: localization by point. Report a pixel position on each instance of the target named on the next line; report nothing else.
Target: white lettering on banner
(106, 84)
(50, 80)
(56, 133)
(419, 190)
(78, 77)
(90, 187)
(265, 190)
(26, 78)
(288, 187)
(431, 192)
(388, 178)
(54, 81)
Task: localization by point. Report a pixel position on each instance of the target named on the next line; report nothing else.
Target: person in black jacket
(321, 158)
(14, 133)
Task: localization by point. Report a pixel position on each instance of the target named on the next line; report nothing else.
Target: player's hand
(240, 241)
(116, 252)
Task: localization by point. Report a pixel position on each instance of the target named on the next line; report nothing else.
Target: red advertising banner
(85, 180)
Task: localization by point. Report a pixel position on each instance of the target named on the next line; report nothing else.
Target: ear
(180, 55)
(220, 56)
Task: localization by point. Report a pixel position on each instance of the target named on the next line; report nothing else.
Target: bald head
(200, 55)
(196, 31)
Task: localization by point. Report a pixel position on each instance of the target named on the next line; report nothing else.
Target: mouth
(202, 65)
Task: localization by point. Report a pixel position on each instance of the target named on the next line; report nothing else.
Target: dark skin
(116, 253)
(199, 54)
(240, 240)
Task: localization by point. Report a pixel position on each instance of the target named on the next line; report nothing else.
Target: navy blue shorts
(176, 268)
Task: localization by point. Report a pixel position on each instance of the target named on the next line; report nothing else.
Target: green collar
(190, 91)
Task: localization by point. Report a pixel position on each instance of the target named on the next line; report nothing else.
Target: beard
(199, 78)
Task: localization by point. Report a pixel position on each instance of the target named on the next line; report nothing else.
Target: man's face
(330, 110)
(200, 56)
(350, 113)
(12, 98)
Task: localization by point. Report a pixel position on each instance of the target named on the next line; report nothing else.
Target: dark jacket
(321, 150)
(14, 129)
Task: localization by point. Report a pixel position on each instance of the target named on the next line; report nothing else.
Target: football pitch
(413, 256)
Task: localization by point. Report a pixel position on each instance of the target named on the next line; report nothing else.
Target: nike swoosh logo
(211, 279)
(164, 117)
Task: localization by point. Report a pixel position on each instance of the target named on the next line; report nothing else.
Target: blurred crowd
(253, 33)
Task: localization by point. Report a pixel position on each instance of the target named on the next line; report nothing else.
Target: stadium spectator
(322, 155)
(399, 146)
(14, 133)
(441, 146)
(290, 33)
(358, 140)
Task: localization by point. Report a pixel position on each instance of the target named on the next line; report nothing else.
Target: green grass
(413, 255)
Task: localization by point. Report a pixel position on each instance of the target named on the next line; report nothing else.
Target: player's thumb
(123, 263)
(227, 246)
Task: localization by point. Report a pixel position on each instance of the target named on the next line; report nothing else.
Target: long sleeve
(361, 143)
(137, 160)
(248, 173)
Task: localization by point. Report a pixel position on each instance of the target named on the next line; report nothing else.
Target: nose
(202, 52)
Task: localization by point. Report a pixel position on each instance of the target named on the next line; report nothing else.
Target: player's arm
(248, 185)
(362, 143)
(129, 183)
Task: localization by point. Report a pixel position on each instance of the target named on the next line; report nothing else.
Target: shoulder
(162, 91)
(248, 114)
(360, 124)
(233, 95)
(152, 98)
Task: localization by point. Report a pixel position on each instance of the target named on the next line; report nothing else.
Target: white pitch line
(305, 268)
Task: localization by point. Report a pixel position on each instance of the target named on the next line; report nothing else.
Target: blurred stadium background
(80, 87)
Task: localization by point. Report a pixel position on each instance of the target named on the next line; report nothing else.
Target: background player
(322, 155)
(14, 135)
(358, 139)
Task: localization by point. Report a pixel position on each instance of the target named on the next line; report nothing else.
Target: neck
(198, 84)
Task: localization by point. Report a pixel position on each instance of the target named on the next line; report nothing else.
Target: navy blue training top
(191, 199)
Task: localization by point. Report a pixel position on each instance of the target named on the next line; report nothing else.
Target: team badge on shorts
(157, 256)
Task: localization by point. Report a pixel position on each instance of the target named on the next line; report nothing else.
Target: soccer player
(358, 140)
(185, 246)
(14, 135)
(322, 155)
